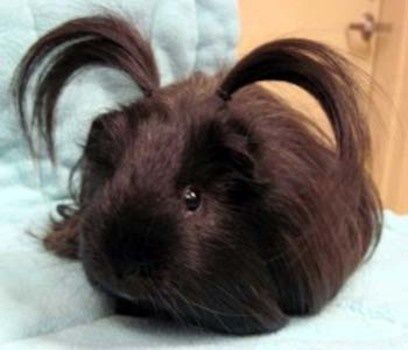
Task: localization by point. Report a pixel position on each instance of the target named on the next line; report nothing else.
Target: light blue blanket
(46, 303)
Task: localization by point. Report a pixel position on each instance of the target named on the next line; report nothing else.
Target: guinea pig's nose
(138, 245)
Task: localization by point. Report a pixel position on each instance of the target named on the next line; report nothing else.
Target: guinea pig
(210, 202)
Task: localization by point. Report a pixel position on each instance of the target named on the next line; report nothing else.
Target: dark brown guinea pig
(210, 202)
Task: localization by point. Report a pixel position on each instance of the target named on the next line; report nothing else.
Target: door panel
(390, 71)
(326, 21)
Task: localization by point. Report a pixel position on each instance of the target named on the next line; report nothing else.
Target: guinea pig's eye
(192, 198)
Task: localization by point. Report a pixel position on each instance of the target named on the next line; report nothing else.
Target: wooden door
(326, 21)
(329, 22)
(390, 71)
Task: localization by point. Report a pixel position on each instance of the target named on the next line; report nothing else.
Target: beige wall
(326, 21)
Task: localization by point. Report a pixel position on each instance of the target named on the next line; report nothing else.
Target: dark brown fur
(285, 215)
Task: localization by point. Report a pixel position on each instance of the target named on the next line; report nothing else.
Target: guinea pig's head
(172, 214)
(189, 205)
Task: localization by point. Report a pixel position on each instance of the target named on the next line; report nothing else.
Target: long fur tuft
(321, 72)
(100, 40)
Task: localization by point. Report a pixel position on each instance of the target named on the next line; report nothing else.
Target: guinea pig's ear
(89, 41)
(320, 71)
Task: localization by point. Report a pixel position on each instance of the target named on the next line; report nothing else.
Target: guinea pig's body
(207, 205)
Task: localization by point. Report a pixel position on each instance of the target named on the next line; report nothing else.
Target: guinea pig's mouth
(113, 292)
(102, 276)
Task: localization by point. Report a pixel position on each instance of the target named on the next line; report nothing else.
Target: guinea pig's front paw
(63, 238)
